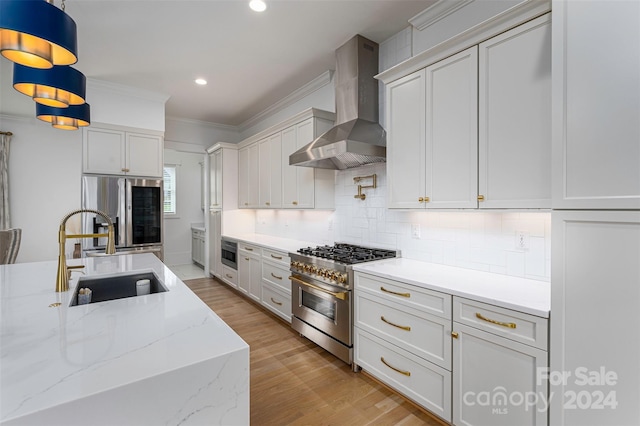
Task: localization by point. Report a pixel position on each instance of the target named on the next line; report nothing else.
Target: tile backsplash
(481, 240)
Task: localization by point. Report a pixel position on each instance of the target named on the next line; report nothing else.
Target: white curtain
(5, 219)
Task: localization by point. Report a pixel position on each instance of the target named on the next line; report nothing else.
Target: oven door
(326, 308)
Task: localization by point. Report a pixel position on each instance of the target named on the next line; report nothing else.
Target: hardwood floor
(295, 382)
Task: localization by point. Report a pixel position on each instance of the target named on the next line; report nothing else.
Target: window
(169, 189)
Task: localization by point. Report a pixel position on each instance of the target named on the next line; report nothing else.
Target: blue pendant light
(37, 34)
(57, 87)
(70, 118)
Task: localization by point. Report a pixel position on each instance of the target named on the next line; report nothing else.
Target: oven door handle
(341, 295)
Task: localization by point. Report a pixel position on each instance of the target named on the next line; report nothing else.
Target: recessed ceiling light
(201, 81)
(258, 5)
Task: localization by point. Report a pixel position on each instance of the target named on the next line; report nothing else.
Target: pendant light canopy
(70, 118)
(37, 34)
(57, 87)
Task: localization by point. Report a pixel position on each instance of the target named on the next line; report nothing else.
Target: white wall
(44, 183)
(177, 229)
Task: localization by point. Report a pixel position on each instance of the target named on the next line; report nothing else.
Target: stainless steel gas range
(322, 293)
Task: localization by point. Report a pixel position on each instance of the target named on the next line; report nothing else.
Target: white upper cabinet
(405, 111)
(267, 180)
(215, 179)
(118, 152)
(432, 148)
(515, 117)
(473, 130)
(270, 171)
(596, 105)
(452, 132)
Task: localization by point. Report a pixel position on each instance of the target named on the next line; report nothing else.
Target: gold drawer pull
(406, 373)
(229, 276)
(246, 204)
(504, 324)
(274, 301)
(247, 248)
(421, 200)
(246, 258)
(275, 276)
(396, 293)
(480, 197)
(454, 334)
(277, 257)
(403, 327)
(295, 203)
(267, 203)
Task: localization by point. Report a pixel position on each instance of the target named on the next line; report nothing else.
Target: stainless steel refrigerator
(135, 205)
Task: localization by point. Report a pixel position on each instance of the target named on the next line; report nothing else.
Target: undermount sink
(111, 287)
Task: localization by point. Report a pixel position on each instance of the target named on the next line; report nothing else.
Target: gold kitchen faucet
(62, 280)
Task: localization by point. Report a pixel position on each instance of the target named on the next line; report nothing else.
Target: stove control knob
(307, 268)
(332, 276)
(314, 269)
(322, 272)
(342, 278)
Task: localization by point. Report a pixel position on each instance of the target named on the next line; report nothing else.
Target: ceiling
(251, 60)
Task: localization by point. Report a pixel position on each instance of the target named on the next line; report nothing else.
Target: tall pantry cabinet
(223, 196)
(595, 275)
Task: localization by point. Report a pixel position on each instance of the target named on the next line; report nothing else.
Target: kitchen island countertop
(163, 358)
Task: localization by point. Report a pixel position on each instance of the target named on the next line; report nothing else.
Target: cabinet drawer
(518, 326)
(276, 275)
(249, 247)
(276, 301)
(276, 256)
(423, 382)
(422, 299)
(230, 275)
(425, 335)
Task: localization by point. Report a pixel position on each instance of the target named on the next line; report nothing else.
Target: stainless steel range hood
(357, 139)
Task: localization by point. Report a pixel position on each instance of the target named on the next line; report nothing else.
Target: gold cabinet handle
(426, 199)
(277, 257)
(295, 203)
(396, 293)
(340, 295)
(480, 197)
(246, 204)
(276, 302)
(421, 199)
(267, 203)
(504, 324)
(246, 258)
(402, 327)
(406, 373)
(249, 249)
(229, 276)
(275, 276)
(454, 334)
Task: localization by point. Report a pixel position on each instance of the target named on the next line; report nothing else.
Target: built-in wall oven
(135, 205)
(229, 253)
(322, 293)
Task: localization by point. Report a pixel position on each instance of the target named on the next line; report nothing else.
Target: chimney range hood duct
(357, 139)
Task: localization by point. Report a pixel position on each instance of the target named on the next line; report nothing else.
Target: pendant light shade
(37, 34)
(70, 118)
(57, 87)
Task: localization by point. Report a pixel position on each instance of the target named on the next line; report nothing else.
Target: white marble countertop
(271, 242)
(520, 294)
(51, 356)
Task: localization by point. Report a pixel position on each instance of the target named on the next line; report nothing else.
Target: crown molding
(126, 90)
(218, 126)
(510, 18)
(315, 84)
(437, 11)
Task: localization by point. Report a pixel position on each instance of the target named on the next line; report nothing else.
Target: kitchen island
(162, 358)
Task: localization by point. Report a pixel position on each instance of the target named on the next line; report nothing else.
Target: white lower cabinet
(230, 276)
(197, 246)
(277, 301)
(468, 362)
(497, 380)
(249, 271)
(401, 343)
